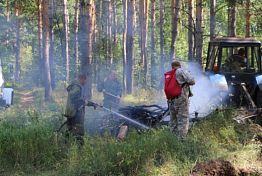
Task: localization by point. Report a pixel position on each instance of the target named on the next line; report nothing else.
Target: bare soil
(220, 168)
(214, 168)
(27, 99)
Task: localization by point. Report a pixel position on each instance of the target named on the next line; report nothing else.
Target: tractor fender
(259, 82)
(219, 81)
(258, 97)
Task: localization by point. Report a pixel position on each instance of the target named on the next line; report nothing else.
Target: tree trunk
(85, 39)
(199, 32)
(143, 37)
(141, 26)
(175, 17)
(232, 18)
(7, 19)
(110, 48)
(100, 35)
(106, 4)
(96, 50)
(17, 43)
(114, 2)
(40, 42)
(46, 40)
(108, 12)
(153, 45)
(213, 19)
(130, 45)
(51, 52)
(248, 16)
(124, 43)
(76, 28)
(33, 45)
(66, 31)
(191, 29)
(7, 10)
(161, 28)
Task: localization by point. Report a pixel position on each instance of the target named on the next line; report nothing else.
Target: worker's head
(175, 64)
(216, 69)
(82, 77)
(112, 75)
(241, 52)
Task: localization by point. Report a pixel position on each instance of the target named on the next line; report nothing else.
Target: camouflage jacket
(75, 100)
(185, 79)
(111, 87)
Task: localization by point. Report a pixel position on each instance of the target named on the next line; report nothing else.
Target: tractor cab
(238, 60)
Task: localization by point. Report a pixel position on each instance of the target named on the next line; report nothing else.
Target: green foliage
(108, 156)
(26, 136)
(25, 142)
(29, 39)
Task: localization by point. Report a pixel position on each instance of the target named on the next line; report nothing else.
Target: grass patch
(29, 145)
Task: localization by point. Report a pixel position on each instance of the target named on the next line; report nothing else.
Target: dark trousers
(75, 127)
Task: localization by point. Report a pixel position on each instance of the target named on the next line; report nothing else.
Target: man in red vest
(179, 106)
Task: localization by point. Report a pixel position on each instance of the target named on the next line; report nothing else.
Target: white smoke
(207, 95)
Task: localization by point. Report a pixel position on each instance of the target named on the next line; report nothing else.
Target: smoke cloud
(209, 91)
(208, 95)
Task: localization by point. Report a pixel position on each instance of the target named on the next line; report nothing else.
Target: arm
(75, 95)
(119, 89)
(100, 86)
(90, 103)
(184, 77)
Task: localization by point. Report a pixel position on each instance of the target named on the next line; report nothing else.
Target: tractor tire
(259, 98)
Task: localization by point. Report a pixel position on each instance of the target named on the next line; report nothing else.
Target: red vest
(172, 87)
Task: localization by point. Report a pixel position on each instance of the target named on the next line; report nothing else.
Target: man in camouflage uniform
(75, 108)
(179, 106)
(112, 91)
(236, 62)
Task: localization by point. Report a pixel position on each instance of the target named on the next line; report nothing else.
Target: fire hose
(108, 110)
(112, 95)
(119, 115)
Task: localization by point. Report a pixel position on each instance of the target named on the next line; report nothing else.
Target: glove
(95, 106)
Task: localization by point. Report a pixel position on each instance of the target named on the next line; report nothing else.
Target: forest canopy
(46, 43)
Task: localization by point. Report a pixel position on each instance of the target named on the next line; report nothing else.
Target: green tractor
(240, 76)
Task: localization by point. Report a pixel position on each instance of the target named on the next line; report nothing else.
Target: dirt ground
(27, 99)
(220, 168)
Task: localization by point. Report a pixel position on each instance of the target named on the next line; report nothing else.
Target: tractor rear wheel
(259, 99)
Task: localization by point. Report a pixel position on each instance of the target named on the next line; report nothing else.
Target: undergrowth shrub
(28, 140)
(108, 156)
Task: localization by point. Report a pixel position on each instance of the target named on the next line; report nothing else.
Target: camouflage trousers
(111, 102)
(76, 127)
(179, 115)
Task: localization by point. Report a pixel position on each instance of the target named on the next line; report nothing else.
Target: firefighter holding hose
(177, 90)
(112, 91)
(75, 108)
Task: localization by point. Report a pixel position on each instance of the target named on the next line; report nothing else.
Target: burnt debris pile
(150, 115)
